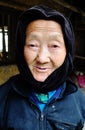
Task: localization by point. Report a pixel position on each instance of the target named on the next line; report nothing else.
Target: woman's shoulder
(5, 87)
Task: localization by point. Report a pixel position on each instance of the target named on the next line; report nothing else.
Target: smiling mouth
(41, 69)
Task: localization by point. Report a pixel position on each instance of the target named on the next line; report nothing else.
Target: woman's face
(44, 49)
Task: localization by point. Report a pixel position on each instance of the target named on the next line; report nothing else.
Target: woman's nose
(43, 55)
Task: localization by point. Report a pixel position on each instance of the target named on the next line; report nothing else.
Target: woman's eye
(32, 45)
(54, 46)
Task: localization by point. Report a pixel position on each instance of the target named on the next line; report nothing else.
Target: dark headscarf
(61, 74)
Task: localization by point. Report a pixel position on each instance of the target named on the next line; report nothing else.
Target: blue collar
(52, 95)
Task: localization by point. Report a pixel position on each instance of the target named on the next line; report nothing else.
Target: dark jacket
(18, 112)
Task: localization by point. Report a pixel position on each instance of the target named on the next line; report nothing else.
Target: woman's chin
(40, 78)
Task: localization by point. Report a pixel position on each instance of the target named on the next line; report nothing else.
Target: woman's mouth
(41, 69)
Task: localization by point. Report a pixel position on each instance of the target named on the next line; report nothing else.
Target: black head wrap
(61, 74)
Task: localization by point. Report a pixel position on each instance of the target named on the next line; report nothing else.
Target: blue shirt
(53, 94)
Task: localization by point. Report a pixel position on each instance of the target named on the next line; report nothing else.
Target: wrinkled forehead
(44, 26)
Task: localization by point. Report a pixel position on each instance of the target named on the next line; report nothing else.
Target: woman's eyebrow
(56, 36)
(31, 35)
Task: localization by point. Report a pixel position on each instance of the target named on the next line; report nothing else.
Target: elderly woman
(42, 96)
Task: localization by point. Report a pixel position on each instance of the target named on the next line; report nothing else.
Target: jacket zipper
(42, 124)
(41, 117)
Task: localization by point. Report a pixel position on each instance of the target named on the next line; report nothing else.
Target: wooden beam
(17, 7)
(71, 7)
(62, 3)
